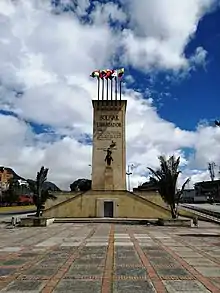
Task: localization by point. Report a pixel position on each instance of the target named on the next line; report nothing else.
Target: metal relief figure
(108, 157)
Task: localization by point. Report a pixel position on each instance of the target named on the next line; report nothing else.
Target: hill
(47, 185)
(10, 171)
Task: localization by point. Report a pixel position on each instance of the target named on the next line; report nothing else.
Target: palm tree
(166, 180)
(81, 185)
(40, 193)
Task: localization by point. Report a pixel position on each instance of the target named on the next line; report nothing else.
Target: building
(208, 190)
(188, 196)
(5, 176)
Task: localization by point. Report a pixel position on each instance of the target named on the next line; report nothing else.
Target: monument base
(104, 204)
(108, 178)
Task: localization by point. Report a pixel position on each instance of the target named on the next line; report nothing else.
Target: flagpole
(98, 86)
(116, 88)
(120, 89)
(107, 88)
(103, 87)
(111, 88)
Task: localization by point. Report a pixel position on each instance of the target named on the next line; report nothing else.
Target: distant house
(5, 176)
(188, 196)
(23, 182)
(25, 200)
(208, 189)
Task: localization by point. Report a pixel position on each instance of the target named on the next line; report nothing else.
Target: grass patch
(17, 208)
(186, 214)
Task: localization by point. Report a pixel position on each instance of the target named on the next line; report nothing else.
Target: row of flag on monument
(108, 73)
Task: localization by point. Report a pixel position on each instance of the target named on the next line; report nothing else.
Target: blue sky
(171, 54)
(195, 97)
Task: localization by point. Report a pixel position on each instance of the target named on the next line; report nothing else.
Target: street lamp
(130, 168)
(91, 167)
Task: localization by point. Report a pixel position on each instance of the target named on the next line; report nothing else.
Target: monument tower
(109, 196)
(109, 152)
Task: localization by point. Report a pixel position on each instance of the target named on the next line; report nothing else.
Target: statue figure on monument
(108, 158)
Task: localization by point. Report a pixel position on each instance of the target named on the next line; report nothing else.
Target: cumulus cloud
(160, 31)
(46, 56)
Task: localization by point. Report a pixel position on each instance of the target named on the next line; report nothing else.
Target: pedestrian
(13, 222)
(195, 221)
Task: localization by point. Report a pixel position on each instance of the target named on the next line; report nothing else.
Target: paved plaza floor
(110, 258)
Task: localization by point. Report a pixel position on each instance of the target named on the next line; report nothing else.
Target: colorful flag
(108, 73)
(102, 74)
(121, 72)
(95, 73)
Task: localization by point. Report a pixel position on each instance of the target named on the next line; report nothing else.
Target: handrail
(201, 214)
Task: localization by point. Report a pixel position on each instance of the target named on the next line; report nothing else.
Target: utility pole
(129, 173)
(212, 170)
(91, 169)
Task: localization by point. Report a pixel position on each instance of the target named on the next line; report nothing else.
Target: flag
(95, 73)
(121, 72)
(118, 73)
(103, 74)
(108, 73)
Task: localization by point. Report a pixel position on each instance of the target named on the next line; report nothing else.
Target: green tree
(40, 193)
(11, 194)
(166, 179)
(81, 185)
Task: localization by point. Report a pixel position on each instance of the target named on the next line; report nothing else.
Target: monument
(109, 196)
(109, 152)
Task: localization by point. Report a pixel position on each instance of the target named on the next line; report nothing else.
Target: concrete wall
(152, 196)
(89, 204)
(61, 197)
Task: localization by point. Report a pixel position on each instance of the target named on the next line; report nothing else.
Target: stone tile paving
(109, 258)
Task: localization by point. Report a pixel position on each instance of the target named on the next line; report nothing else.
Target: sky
(171, 54)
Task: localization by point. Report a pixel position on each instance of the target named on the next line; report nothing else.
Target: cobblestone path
(109, 258)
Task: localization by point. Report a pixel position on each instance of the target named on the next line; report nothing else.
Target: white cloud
(104, 13)
(160, 31)
(47, 58)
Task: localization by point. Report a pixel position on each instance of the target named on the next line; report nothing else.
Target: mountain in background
(47, 185)
(12, 172)
(15, 176)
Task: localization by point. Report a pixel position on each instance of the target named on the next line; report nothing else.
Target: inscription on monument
(108, 124)
(105, 121)
(108, 135)
(109, 117)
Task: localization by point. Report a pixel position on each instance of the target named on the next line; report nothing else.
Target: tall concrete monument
(109, 196)
(109, 151)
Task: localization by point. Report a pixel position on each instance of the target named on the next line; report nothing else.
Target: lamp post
(91, 167)
(130, 168)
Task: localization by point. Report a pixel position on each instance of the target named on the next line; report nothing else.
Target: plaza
(110, 258)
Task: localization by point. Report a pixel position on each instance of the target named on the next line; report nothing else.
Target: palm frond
(166, 179)
(180, 192)
(155, 173)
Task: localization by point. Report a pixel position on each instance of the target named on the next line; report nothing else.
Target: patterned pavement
(110, 258)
